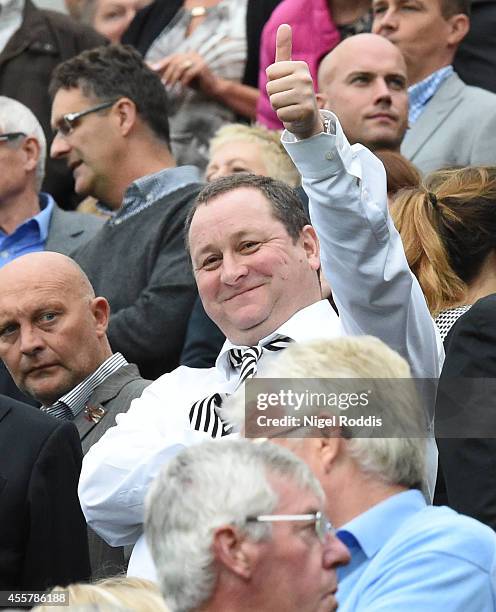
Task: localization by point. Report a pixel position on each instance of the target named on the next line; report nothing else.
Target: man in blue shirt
(29, 220)
(405, 555)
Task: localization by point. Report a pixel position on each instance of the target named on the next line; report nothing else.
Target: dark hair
(454, 7)
(115, 71)
(448, 230)
(400, 172)
(286, 206)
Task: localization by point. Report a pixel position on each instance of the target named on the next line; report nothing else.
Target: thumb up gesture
(290, 90)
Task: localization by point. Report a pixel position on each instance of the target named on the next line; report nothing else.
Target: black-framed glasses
(11, 136)
(323, 526)
(68, 121)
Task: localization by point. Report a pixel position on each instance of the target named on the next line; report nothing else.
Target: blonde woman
(120, 592)
(243, 148)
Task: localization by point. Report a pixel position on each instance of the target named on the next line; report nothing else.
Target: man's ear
(101, 311)
(321, 100)
(310, 243)
(459, 27)
(126, 113)
(330, 445)
(234, 551)
(31, 150)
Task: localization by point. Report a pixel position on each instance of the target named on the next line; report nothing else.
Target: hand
(290, 90)
(188, 69)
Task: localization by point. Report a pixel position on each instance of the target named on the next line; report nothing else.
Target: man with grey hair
(405, 555)
(30, 220)
(239, 526)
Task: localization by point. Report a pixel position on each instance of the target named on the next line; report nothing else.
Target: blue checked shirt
(420, 93)
(146, 190)
(30, 236)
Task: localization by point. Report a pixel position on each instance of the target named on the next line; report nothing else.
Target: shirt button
(330, 155)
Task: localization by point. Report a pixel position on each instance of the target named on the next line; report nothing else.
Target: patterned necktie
(203, 414)
(59, 410)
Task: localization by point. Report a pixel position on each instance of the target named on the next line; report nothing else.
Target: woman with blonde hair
(244, 148)
(448, 228)
(119, 593)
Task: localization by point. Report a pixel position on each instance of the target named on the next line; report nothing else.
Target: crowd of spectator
(254, 369)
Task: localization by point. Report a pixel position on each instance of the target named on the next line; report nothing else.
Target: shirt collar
(47, 204)
(76, 398)
(160, 184)
(373, 528)
(41, 219)
(420, 93)
(305, 325)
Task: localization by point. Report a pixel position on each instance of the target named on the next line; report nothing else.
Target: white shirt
(376, 294)
(10, 20)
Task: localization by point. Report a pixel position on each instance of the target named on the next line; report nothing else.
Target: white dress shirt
(376, 294)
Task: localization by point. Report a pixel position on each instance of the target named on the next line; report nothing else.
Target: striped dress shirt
(71, 404)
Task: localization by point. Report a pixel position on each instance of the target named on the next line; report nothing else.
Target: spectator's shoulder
(485, 99)
(85, 36)
(455, 535)
(31, 420)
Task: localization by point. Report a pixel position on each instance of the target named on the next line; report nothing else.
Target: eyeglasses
(67, 123)
(323, 526)
(11, 136)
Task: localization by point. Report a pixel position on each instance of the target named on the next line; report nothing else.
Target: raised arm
(362, 253)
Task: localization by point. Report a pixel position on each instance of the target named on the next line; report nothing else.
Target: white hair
(277, 161)
(204, 487)
(398, 460)
(15, 117)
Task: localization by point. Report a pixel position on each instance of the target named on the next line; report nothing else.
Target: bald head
(364, 82)
(52, 327)
(37, 268)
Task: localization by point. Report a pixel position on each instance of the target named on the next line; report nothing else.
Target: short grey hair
(396, 461)
(204, 487)
(15, 117)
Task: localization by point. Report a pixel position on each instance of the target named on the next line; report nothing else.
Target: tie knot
(247, 358)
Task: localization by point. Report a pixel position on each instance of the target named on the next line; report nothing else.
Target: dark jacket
(44, 39)
(43, 539)
(466, 413)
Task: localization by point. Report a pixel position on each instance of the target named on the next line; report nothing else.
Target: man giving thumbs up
(256, 262)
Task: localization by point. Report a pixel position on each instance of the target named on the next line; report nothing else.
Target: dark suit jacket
(69, 230)
(475, 60)
(43, 538)
(44, 39)
(469, 464)
(113, 396)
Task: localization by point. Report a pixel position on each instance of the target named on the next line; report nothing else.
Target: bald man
(53, 342)
(364, 82)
